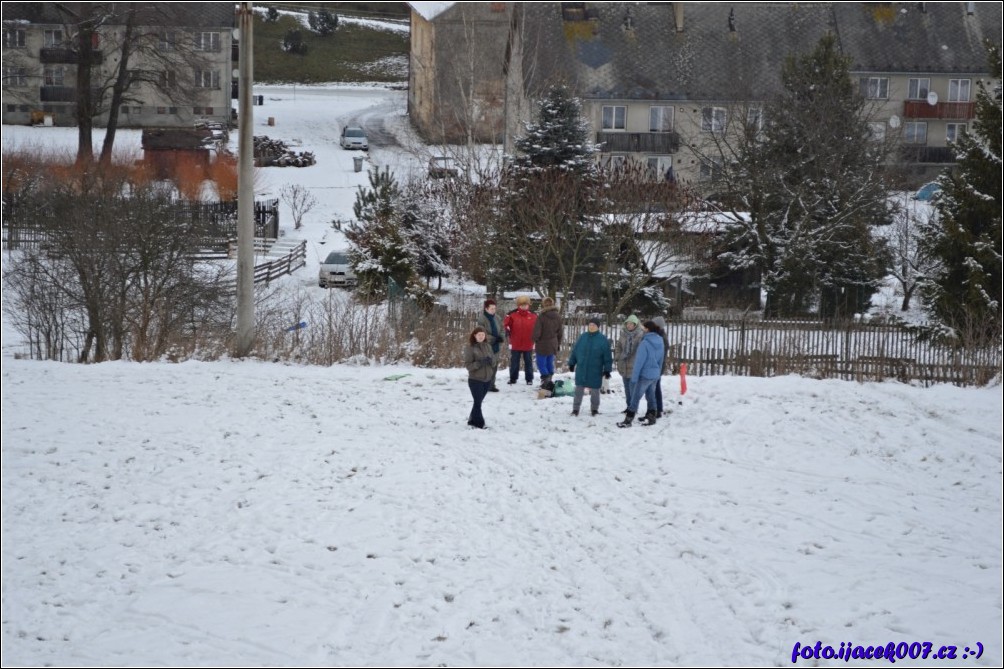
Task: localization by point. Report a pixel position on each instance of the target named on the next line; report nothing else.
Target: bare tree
(122, 261)
(148, 52)
(299, 200)
(910, 264)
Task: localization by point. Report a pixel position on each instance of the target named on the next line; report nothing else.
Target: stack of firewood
(274, 153)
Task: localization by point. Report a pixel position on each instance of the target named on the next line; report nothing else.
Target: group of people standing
(641, 357)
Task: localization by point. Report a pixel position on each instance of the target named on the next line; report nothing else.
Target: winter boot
(628, 418)
(593, 412)
(575, 412)
(649, 418)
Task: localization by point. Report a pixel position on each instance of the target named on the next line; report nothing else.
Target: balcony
(63, 55)
(955, 111)
(639, 142)
(927, 154)
(57, 94)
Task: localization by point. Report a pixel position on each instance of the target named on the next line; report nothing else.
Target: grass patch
(353, 53)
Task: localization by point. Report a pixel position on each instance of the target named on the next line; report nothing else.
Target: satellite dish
(932, 98)
(893, 121)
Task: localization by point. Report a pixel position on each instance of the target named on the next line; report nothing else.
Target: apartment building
(179, 62)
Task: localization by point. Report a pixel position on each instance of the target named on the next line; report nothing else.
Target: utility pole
(512, 70)
(245, 185)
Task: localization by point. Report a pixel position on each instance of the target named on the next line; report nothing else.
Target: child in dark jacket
(480, 364)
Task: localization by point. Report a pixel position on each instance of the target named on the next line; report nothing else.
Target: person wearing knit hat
(624, 352)
(646, 372)
(591, 362)
(519, 324)
(495, 335)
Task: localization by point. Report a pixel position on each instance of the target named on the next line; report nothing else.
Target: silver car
(353, 137)
(336, 271)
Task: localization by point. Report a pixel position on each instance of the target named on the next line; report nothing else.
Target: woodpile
(275, 153)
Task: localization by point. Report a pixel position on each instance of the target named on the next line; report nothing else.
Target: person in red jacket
(518, 325)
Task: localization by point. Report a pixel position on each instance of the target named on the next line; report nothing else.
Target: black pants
(527, 357)
(478, 391)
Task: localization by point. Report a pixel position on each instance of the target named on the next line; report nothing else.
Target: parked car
(336, 271)
(441, 167)
(353, 137)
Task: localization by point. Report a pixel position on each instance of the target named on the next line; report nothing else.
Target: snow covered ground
(251, 513)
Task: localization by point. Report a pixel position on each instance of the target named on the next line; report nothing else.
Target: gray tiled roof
(942, 38)
(632, 50)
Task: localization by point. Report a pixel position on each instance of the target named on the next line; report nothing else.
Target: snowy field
(250, 513)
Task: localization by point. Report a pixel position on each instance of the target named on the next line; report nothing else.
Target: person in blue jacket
(646, 373)
(591, 361)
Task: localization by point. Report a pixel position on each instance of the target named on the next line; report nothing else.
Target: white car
(353, 137)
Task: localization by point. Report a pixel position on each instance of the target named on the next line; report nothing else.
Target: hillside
(360, 49)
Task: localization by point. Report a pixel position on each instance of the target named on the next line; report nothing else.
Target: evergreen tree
(293, 42)
(426, 226)
(380, 250)
(560, 136)
(814, 184)
(546, 231)
(964, 292)
(322, 22)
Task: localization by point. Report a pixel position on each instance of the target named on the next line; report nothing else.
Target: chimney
(678, 16)
(970, 8)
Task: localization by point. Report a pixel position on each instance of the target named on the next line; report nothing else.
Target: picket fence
(743, 346)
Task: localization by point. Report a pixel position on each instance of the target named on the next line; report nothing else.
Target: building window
(954, 132)
(875, 88)
(15, 77)
(168, 41)
(660, 168)
(711, 170)
(958, 90)
(713, 119)
(168, 79)
(200, 111)
(614, 118)
(13, 39)
(613, 161)
(207, 79)
(52, 38)
(754, 119)
(918, 89)
(660, 119)
(877, 131)
(52, 76)
(915, 133)
(207, 41)
(11, 108)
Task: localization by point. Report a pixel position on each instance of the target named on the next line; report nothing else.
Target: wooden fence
(217, 220)
(713, 345)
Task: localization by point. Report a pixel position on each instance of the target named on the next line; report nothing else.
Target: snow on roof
(430, 10)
